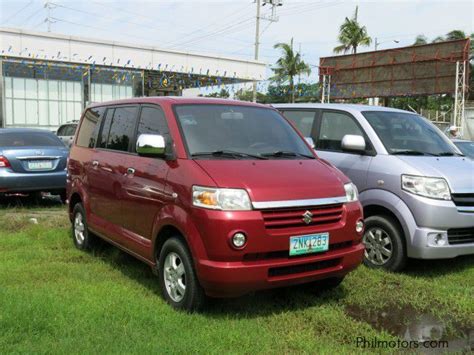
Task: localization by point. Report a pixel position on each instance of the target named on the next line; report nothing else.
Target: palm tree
(352, 35)
(288, 66)
(420, 39)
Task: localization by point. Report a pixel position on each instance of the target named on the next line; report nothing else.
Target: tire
(384, 243)
(178, 281)
(83, 239)
(63, 197)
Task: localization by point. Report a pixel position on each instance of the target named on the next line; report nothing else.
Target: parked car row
(222, 197)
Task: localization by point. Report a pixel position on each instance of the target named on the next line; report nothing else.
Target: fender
(176, 216)
(394, 204)
(77, 187)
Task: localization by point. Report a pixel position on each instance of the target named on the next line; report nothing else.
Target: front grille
(464, 200)
(299, 269)
(461, 235)
(284, 218)
(285, 254)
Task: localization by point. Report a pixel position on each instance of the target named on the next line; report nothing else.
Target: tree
(222, 94)
(420, 39)
(288, 66)
(455, 34)
(352, 35)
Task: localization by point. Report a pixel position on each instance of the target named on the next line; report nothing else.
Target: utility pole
(48, 5)
(257, 37)
(272, 18)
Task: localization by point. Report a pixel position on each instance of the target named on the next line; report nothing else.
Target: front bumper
(230, 279)
(265, 261)
(420, 248)
(11, 182)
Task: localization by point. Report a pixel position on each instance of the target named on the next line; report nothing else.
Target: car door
(109, 165)
(144, 182)
(333, 126)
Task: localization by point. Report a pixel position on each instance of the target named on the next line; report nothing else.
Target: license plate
(306, 244)
(40, 165)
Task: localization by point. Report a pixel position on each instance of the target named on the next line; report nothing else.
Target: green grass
(54, 298)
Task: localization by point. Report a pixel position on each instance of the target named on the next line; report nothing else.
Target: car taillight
(4, 163)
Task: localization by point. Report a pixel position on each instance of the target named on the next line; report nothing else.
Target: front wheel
(83, 239)
(384, 245)
(178, 281)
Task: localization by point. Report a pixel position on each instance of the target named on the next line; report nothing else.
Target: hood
(458, 171)
(277, 180)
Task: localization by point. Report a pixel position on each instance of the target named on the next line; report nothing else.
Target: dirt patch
(411, 325)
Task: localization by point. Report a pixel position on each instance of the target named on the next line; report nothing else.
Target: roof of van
(179, 100)
(345, 107)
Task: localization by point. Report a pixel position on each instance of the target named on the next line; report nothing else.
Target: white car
(66, 132)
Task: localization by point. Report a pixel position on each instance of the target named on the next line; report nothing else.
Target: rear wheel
(83, 239)
(384, 244)
(178, 280)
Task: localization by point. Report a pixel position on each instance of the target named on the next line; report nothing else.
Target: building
(47, 79)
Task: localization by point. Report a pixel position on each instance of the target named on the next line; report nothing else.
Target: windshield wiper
(450, 154)
(228, 153)
(412, 152)
(283, 153)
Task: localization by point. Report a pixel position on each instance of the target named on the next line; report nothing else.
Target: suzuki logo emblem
(307, 217)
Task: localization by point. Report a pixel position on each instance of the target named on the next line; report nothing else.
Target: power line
(18, 12)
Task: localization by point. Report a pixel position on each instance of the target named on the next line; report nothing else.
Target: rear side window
(122, 129)
(90, 126)
(29, 139)
(302, 120)
(334, 126)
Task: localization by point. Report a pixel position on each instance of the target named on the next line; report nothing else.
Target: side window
(106, 128)
(334, 126)
(153, 121)
(90, 126)
(122, 129)
(302, 120)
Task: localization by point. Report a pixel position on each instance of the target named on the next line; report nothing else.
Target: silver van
(416, 187)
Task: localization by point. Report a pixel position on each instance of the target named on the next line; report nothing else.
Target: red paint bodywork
(131, 211)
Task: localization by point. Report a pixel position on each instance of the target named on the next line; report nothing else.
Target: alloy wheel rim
(378, 246)
(79, 228)
(174, 277)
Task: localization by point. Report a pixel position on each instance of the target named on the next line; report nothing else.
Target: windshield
(29, 139)
(466, 147)
(239, 132)
(406, 133)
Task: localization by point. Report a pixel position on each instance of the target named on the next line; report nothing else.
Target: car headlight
(351, 192)
(221, 199)
(431, 187)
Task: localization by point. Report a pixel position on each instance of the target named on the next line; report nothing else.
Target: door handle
(130, 171)
(95, 163)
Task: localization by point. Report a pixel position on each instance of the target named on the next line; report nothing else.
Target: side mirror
(310, 141)
(353, 143)
(151, 145)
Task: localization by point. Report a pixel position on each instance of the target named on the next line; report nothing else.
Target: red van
(219, 197)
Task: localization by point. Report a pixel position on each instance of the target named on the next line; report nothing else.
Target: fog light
(359, 226)
(239, 240)
(437, 239)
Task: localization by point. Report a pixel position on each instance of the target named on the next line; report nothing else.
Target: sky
(227, 27)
